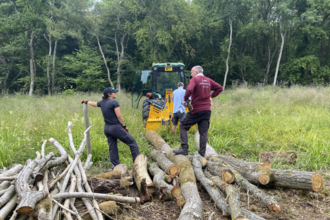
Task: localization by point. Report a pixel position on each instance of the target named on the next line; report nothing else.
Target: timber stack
(57, 187)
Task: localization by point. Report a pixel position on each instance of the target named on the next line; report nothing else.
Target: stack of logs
(218, 173)
(40, 187)
(37, 189)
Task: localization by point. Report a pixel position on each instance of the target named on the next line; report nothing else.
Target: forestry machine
(157, 85)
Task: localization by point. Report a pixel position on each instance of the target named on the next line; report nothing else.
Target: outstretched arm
(91, 103)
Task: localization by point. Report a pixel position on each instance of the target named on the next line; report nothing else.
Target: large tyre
(145, 111)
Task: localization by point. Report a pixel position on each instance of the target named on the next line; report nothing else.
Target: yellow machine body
(160, 118)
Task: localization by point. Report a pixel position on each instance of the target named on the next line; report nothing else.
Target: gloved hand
(84, 101)
(188, 105)
(125, 127)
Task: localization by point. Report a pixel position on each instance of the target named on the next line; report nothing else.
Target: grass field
(245, 122)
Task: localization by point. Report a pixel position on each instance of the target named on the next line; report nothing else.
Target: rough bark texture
(247, 186)
(284, 157)
(231, 193)
(170, 168)
(4, 212)
(193, 208)
(222, 170)
(142, 178)
(7, 195)
(115, 186)
(12, 171)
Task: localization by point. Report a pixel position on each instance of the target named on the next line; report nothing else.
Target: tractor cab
(157, 85)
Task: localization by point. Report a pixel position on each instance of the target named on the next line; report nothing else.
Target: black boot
(182, 150)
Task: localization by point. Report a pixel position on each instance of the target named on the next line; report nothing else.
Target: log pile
(220, 175)
(46, 187)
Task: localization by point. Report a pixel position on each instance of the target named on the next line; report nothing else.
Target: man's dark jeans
(203, 120)
(114, 132)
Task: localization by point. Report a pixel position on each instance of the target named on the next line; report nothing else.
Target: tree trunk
(12, 171)
(170, 168)
(268, 201)
(280, 55)
(31, 65)
(4, 88)
(222, 170)
(10, 192)
(193, 208)
(142, 178)
(270, 59)
(227, 60)
(115, 186)
(53, 70)
(48, 61)
(100, 47)
(4, 212)
(120, 56)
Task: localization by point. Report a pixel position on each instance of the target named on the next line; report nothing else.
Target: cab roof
(164, 64)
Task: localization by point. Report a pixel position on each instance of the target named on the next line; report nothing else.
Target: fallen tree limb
(4, 212)
(193, 208)
(122, 199)
(58, 160)
(142, 178)
(115, 186)
(167, 190)
(57, 178)
(268, 201)
(169, 167)
(12, 171)
(7, 195)
(4, 185)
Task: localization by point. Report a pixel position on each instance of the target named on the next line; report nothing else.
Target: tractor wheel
(145, 111)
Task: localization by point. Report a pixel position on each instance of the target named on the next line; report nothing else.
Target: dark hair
(106, 96)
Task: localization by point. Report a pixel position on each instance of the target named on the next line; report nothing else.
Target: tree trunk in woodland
(48, 61)
(4, 88)
(280, 55)
(227, 60)
(120, 56)
(100, 47)
(31, 65)
(53, 70)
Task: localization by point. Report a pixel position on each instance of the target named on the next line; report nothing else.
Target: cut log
(10, 192)
(114, 186)
(121, 199)
(12, 171)
(291, 179)
(4, 212)
(43, 210)
(231, 193)
(169, 167)
(109, 175)
(268, 201)
(4, 185)
(167, 191)
(109, 207)
(221, 203)
(122, 168)
(142, 178)
(193, 208)
(222, 170)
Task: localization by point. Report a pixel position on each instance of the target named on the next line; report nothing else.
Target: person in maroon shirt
(199, 89)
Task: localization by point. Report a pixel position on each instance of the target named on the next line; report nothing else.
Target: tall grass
(245, 122)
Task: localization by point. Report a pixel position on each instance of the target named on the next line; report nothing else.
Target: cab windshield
(166, 80)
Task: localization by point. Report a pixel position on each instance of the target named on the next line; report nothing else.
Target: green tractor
(157, 85)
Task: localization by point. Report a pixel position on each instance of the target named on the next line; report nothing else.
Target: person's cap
(180, 84)
(109, 90)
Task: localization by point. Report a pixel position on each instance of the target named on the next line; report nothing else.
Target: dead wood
(4, 212)
(122, 167)
(109, 207)
(57, 178)
(165, 164)
(10, 192)
(268, 201)
(122, 199)
(109, 175)
(58, 160)
(4, 185)
(142, 178)
(12, 171)
(193, 208)
(115, 186)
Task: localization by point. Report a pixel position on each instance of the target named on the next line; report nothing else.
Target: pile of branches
(38, 188)
(176, 174)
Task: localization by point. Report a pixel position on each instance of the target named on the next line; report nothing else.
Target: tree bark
(4, 212)
(48, 60)
(268, 201)
(10, 192)
(170, 168)
(115, 186)
(31, 64)
(12, 171)
(193, 208)
(100, 47)
(227, 60)
(280, 54)
(4, 88)
(4, 185)
(222, 170)
(53, 68)
(142, 178)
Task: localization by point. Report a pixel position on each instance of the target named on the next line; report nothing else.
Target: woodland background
(63, 46)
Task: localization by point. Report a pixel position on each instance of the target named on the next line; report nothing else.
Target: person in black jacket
(114, 127)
